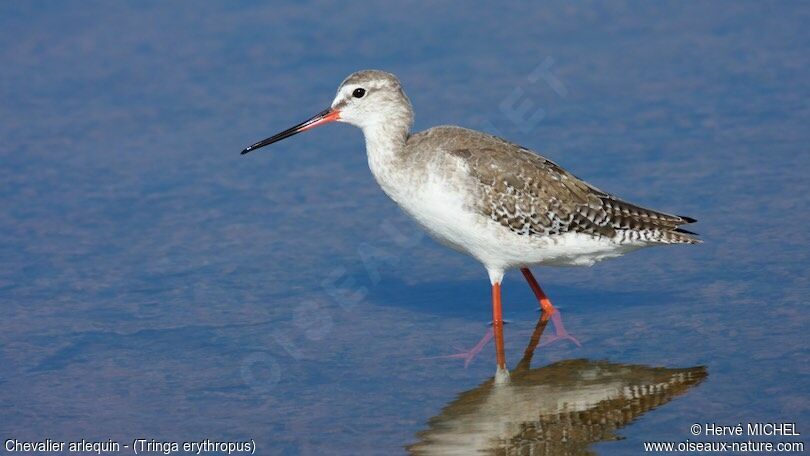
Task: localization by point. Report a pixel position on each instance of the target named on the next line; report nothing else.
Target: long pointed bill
(323, 117)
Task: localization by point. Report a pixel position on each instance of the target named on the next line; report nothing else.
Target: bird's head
(368, 99)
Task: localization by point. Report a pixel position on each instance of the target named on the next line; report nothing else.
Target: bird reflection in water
(560, 409)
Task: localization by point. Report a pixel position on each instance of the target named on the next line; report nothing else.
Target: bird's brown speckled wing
(532, 195)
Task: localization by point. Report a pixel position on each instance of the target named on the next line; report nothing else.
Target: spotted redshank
(501, 203)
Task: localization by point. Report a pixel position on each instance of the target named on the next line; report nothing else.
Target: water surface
(156, 284)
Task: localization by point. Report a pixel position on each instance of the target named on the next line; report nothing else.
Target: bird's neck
(385, 147)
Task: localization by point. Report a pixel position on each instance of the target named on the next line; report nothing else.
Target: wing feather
(532, 195)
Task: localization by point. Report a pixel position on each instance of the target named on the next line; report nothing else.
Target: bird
(503, 204)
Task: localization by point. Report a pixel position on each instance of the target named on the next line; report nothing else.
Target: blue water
(156, 284)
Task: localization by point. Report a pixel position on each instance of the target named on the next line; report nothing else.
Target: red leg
(549, 311)
(545, 303)
(495, 331)
(497, 325)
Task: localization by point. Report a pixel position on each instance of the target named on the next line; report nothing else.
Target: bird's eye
(359, 92)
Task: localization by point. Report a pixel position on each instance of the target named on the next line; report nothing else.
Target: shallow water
(156, 284)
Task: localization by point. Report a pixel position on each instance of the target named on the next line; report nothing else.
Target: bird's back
(533, 196)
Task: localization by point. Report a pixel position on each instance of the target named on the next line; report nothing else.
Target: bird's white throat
(385, 146)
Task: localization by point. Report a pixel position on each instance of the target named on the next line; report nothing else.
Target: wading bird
(501, 203)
